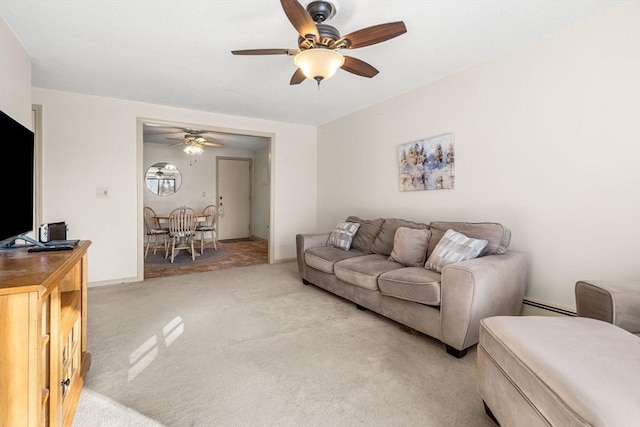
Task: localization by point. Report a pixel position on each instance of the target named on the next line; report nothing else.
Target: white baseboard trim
(112, 282)
(283, 260)
(533, 307)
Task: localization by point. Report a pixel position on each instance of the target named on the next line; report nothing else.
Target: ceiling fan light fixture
(319, 63)
(193, 149)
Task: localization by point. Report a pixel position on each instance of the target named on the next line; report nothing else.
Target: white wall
(15, 77)
(91, 142)
(198, 188)
(547, 142)
(261, 194)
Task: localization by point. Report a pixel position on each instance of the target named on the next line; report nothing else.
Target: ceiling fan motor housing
(328, 35)
(320, 11)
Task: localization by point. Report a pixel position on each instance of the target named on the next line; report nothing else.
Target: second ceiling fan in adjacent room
(192, 140)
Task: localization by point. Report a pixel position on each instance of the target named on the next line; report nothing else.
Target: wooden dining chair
(208, 225)
(154, 232)
(182, 231)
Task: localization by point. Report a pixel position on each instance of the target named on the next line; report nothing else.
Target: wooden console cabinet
(43, 335)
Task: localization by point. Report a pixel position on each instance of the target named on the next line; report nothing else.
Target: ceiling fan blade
(298, 77)
(372, 35)
(212, 144)
(289, 52)
(194, 132)
(358, 67)
(300, 18)
(175, 139)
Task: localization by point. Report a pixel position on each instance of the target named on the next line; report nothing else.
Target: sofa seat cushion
(322, 258)
(416, 284)
(364, 271)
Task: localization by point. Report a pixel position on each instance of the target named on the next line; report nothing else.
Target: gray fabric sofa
(446, 305)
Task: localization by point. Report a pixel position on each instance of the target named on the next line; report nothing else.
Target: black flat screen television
(18, 205)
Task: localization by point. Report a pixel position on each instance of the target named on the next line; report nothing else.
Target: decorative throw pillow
(496, 234)
(454, 247)
(410, 246)
(342, 236)
(383, 245)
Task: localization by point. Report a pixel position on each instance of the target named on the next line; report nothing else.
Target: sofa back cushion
(383, 244)
(496, 234)
(436, 235)
(366, 234)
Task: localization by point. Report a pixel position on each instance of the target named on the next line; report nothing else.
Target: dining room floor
(230, 253)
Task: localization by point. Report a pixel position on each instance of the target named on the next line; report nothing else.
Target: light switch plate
(102, 192)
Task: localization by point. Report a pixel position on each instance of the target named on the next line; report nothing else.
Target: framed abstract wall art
(427, 164)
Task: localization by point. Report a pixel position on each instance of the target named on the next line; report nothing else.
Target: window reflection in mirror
(163, 179)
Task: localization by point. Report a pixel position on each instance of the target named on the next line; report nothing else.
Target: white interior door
(234, 192)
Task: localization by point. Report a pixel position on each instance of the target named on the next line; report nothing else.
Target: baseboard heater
(543, 306)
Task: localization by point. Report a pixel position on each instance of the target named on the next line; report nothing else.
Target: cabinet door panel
(19, 347)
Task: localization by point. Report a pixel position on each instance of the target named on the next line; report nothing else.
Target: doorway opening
(202, 184)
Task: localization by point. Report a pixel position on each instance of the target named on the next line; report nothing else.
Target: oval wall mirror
(163, 179)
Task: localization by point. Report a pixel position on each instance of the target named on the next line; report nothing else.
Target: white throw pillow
(454, 247)
(342, 236)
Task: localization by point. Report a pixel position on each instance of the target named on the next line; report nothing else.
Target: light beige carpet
(252, 346)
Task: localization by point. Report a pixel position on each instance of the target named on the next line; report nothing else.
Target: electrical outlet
(102, 192)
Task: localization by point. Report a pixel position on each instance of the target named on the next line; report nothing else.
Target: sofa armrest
(304, 242)
(471, 290)
(610, 301)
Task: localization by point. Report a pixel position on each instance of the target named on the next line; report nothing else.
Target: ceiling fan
(194, 137)
(318, 56)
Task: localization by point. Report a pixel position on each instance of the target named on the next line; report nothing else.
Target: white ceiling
(178, 52)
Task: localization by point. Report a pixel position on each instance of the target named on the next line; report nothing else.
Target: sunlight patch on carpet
(142, 357)
(173, 330)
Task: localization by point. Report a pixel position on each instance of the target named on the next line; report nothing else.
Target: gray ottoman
(558, 371)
